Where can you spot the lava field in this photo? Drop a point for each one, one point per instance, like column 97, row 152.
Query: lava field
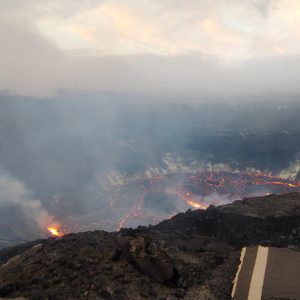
column 148, row 201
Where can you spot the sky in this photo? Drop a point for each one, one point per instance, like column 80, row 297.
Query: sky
column 171, row 48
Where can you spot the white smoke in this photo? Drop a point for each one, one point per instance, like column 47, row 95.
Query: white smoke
column 14, row 193
column 292, row 171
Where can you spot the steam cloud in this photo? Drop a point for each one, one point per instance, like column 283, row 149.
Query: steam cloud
column 14, row 196
column 71, row 153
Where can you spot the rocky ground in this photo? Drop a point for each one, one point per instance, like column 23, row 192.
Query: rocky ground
column 193, row 255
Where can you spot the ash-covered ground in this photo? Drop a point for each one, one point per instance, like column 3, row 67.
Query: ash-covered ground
column 193, row 255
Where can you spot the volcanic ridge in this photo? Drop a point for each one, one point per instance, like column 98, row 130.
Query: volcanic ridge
column 193, row 255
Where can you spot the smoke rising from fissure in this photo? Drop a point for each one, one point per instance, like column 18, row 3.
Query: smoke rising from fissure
column 87, row 159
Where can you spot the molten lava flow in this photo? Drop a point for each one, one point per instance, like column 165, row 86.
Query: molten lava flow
column 195, row 204
column 187, row 199
column 134, row 212
column 286, row 184
column 197, row 189
column 54, row 231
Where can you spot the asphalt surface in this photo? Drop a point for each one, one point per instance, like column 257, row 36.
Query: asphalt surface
column 268, row 273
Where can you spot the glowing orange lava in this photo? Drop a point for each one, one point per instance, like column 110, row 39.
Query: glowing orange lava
column 54, row 231
column 195, row 204
column 187, row 199
column 286, row 184
column 197, row 189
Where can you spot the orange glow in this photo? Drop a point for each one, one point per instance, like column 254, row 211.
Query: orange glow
column 195, row 204
column 187, row 200
column 54, row 231
column 278, row 183
column 191, row 187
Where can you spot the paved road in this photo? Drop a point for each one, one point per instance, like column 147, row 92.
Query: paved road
column 268, row 273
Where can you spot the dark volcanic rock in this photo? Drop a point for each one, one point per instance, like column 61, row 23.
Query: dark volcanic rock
column 237, row 230
column 268, row 206
column 157, row 269
column 194, row 255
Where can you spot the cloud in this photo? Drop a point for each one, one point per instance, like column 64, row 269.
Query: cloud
column 172, row 49
column 227, row 30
